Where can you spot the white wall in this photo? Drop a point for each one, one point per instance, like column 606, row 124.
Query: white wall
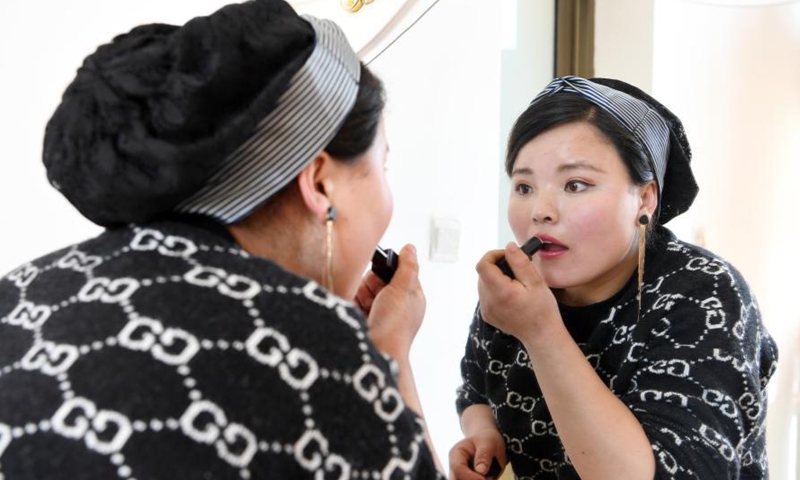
column 443, row 82
column 442, row 121
column 624, row 41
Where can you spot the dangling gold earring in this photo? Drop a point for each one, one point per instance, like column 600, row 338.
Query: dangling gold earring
column 644, row 220
column 329, row 218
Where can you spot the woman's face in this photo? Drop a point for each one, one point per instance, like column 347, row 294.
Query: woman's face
column 569, row 186
column 364, row 203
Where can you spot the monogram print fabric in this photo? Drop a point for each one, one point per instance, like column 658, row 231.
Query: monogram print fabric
column 693, row 370
column 165, row 351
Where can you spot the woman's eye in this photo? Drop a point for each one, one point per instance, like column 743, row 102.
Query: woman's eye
column 575, row 186
column 523, row 189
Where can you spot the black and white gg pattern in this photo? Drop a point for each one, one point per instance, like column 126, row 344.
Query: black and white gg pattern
column 693, row 370
column 165, row 351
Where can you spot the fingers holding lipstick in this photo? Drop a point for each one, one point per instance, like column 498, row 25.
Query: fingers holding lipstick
column 517, row 307
column 397, row 311
column 370, row 286
column 521, row 265
column 487, row 267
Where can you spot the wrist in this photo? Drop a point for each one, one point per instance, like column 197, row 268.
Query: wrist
column 403, row 363
column 478, row 418
column 398, row 353
column 549, row 334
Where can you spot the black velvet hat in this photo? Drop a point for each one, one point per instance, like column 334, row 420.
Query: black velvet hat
column 679, row 185
column 154, row 116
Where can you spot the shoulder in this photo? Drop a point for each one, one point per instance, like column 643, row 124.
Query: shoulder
column 219, row 268
column 267, row 354
column 694, row 298
column 676, row 268
column 181, row 272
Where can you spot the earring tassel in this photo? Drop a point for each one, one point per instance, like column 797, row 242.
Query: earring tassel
column 330, row 217
column 644, row 220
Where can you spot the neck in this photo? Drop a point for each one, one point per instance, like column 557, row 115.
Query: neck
column 600, row 288
column 285, row 239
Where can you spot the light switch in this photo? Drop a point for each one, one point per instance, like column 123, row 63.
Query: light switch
column 445, row 237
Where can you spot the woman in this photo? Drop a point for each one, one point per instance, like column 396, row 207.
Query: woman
column 210, row 331
column 619, row 351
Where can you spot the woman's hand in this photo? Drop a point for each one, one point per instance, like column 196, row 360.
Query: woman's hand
column 585, row 411
column 522, row 307
column 395, row 310
column 394, row 314
column 482, row 446
column 371, row 284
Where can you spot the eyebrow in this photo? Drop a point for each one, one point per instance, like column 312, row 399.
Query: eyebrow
column 564, row 167
column 579, row 165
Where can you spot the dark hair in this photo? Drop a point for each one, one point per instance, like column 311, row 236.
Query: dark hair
column 360, row 127
column 354, row 137
column 562, row 108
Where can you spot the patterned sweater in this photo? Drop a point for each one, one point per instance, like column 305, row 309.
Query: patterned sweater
column 693, row 370
column 167, row 352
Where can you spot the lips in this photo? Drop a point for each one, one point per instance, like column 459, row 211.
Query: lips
column 551, row 242
column 552, row 247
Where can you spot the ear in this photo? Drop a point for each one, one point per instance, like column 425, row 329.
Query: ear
column 649, row 199
column 316, row 184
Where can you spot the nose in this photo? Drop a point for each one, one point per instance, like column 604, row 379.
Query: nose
column 542, row 217
column 544, row 210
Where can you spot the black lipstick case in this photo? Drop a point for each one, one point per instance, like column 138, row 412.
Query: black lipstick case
column 384, row 263
column 531, row 246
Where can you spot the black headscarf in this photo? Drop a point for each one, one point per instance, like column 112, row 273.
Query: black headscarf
column 680, row 187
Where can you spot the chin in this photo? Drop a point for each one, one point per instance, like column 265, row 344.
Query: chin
column 560, row 281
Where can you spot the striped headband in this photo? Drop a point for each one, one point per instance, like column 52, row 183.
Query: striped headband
column 308, row 116
column 638, row 117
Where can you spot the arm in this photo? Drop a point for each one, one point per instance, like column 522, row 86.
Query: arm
column 585, row 411
column 395, row 312
column 699, row 386
column 482, row 438
column 408, row 390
